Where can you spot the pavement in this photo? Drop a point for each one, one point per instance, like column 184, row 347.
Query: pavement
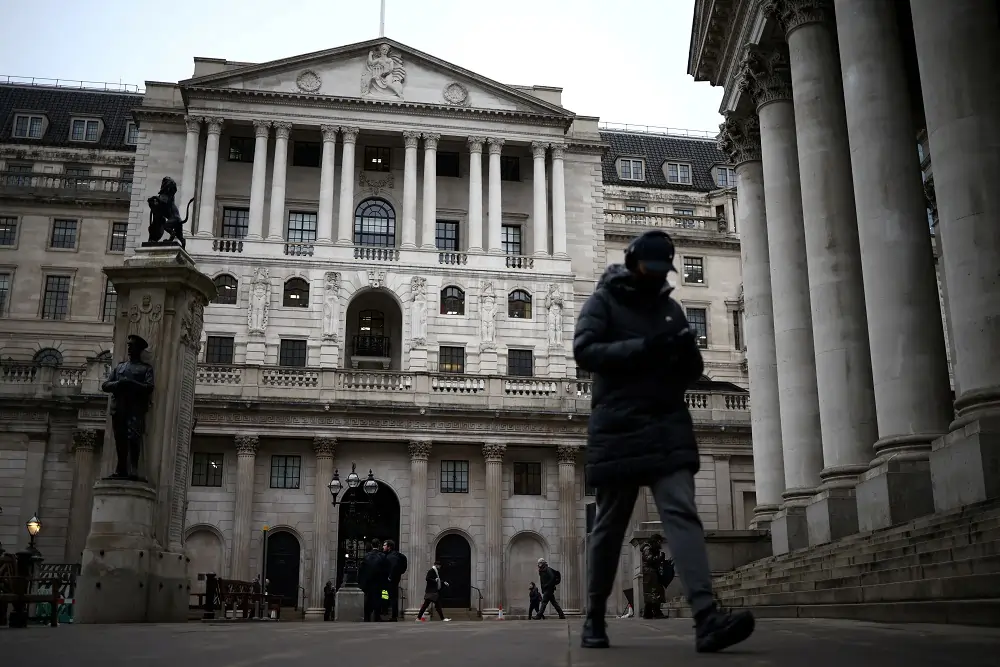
column 635, row 643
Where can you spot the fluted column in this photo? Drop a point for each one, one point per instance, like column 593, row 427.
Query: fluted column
column 495, row 214
column 190, row 170
column 325, row 217
column 558, row 202
column 246, row 454
column 410, row 141
column 476, row 194
column 325, row 447
column 539, row 227
column 262, row 129
column 81, row 498
column 740, row 140
column 420, row 451
column 209, row 177
column 345, row 219
column 569, row 544
column 276, row 222
column 493, row 582
column 429, row 218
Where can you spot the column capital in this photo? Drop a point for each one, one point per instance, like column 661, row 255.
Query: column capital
column 739, row 138
column 566, row 454
column 538, row 150
column 476, row 144
column 261, row 128
column 420, row 450
column 214, row 125
column 792, row 14
column 246, row 444
column 325, row 446
column 411, row 139
column 494, row 451
column 765, row 74
column 431, row 140
column 84, row 440
column 496, row 145
column 350, row 134
column 281, row 129
column 558, row 151
column 329, row 132
column 193, row 123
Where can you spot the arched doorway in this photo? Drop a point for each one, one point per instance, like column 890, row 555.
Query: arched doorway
column 374, row 331
column 283, row 560
column 204, row 549
column 522, row 568
column 455, row 555
column 371, row 517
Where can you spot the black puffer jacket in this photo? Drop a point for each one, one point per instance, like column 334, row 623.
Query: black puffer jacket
column 640, row 428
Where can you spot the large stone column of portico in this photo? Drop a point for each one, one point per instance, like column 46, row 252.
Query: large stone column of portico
column 82, row 495
column 276, row 218
column 476, row 193
column 345, row 219
column 558, row 202
column 836, row 289
column 255, row 230
column 420, row 451
column 209, row 177
column 325, row 447
column 494, row 452
column 958, row 50
column 569, row 546
column 495, row 214
column 189, row 172
column 739, row 139
column 326, row 186
column 909, row 366
column 246, row 455
column 767, row 78
column 410, row 141
column 428, row 225
column 539, row 228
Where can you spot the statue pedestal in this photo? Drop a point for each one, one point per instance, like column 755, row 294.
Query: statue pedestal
column 256, row 350
column 557, row 361
column 418, row 358
column 488, row 362
column 350, row 605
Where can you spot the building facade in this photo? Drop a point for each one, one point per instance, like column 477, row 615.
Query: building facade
column 399, row 247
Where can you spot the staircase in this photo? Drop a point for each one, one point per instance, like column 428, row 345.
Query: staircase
column 942, row 568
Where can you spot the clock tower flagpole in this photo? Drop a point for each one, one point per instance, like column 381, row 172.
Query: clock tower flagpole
column 381, row 21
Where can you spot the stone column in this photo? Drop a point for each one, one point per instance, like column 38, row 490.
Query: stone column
column 325, row 216
column 82, row 495
column 495, row 213
column 569, row 543
column 958, row 50
column 476, row 194
column 539, row 228
column 428, row 225
column 420, row 452
column 276, row 220
column 206, row 209
column 558, row 202
column 739, row 139
column 909, row 365
column 493, row 581
column 262, row 129
column 325, row 447
column 410, row 140
column 766, row 77
column 345, row 219
column 246, row 455
column 190, row 170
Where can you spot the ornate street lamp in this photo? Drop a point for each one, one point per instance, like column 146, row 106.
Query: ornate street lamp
column 34, row 527
column 370, row 487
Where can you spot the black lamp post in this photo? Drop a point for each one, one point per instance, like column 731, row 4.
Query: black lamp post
column 34, row 527
column 26, row 560
column 370, row 488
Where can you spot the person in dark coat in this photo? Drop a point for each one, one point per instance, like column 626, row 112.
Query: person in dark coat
column 636, row 341
column 548, row 579
column 534, row 600
column 397, row 568
column 373, row 577
column 329, row 599
column 653, row 594
column 432, row 591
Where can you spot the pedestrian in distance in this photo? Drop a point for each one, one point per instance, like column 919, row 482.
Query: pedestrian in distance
column 548, row 579
column 329, row 600
column 397, row 568
column 534, row 600
column 373, row 575
column 432, row 591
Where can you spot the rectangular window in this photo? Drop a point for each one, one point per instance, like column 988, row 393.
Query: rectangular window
column 285, row 472
column 520, row 363
column 235, row 223
column 219, row 349
column 78, row 172
column 720, row 212
column 301, row 227
column 510, row 239
column 510, row 168
column 55, row 301
column 119, row 234
column 110, row 302
column 738, row 329
column 206, row 469
column 446, row 235
column 725, row 177
column 630, row 170
column 698, row 322
column 377, row 158
column 63, row 234
column 454, row 476
column 292, row 353
column 241, row 149
column 28, row 127
column 447, row 164
column 451, row 359
column 527, row 479
column 307, row 154
column 678, row 173
column 132, row 134
column 694, row 271
column 588, row 488
column 85, row 130
column 8, row 230
column 635, row 208
column 5, row 280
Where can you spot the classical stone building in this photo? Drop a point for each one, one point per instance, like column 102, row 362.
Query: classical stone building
column 399, row 246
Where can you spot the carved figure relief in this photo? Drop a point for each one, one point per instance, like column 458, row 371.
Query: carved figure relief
column 554, row 308
column 418, row 311
column 456, row 93
column 376, row 186
column 488, row 316
column 144, row 318
column 376, row 279
column 331, row 305
column 308, row 81
column 384, row 73
column 260, row 300
column 192, row 323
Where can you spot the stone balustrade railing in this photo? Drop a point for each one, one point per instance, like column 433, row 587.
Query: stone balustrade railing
column 61, row 185
column 665, row 220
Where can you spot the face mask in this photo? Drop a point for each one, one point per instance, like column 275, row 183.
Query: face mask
column 650, row 283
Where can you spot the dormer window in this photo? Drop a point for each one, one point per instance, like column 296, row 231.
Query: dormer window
column 725, row 177
column 131, row 134
column 85, row 129
column 631, row 169
column 29, row 127
column 678, row 173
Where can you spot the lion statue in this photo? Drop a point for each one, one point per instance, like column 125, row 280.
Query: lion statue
column 164, row 216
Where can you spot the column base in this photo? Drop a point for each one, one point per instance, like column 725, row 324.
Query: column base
column 832, row 514
column 474, row 251
column 789, row 530
column 350, row 605
column 275, row 237
column 428, row 246
column 204, row 234
column 763, row 515
column 315, row 614
column 965, row 464
column 253, row 237
column 344, row 242
column 408, row 246
column 894, row 492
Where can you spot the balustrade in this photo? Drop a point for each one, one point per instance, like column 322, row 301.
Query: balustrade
column 665, row 220
column 60, row 185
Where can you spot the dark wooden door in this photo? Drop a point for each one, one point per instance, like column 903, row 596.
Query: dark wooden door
column 455, row 555
column 283, row 567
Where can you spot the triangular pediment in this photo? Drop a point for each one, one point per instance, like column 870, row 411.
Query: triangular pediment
column 380, row 70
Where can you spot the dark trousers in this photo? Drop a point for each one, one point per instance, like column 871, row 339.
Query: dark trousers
column 328, row 610
column 394, row 600
column 532, row 608
column 674, row 496
column 373, row 605
column 428, row 603
column 547, row 597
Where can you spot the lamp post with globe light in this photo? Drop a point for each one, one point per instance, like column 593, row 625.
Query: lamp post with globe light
column 352, row 500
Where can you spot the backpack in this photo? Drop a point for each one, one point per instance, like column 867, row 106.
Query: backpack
column 556, row 577
column 400, row 565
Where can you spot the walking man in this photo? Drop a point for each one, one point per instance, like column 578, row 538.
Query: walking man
column 432, row 591
column 636, row 342
column 373, row 576
column 548, row 579
column 397, row 568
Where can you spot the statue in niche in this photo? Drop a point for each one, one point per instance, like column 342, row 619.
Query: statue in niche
column 331, row 305
column 260, row 300
column 383, row 72
column 554, row 308
column 418, row 311
column 488, row 315
column 164, row 216
column 131, row 386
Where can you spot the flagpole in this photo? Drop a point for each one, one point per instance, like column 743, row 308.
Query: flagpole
column 381, row 21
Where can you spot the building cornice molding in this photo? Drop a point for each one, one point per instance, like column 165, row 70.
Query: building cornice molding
column 97, row 157
column 726, row 243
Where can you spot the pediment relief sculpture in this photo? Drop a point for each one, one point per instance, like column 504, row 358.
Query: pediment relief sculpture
column 384, row 73
column 457, row 94
column 308, row 81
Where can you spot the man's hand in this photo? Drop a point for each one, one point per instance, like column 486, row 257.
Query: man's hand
column 660, row 345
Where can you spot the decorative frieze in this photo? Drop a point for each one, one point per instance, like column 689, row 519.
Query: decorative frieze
column 420, row 450
column 325, row 446
column 765, row 74
column 247, row 444
column 739, row 138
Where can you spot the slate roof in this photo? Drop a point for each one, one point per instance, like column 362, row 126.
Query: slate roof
column 59, row 105
column 701, row 154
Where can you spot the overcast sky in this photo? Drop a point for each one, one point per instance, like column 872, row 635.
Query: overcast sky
column 622, row 60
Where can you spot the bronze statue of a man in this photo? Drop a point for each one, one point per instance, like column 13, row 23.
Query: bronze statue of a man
column 130, row 385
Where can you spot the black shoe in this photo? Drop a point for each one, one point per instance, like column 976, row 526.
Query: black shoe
column 595, row 632
column 717, row 629
column 539, row 617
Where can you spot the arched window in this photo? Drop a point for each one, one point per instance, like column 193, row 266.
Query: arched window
column 519, row 304
column 228, row 289
column 48, row 356
column 452, row 301
column 375, row 224
column 371, row 340
column 296, row 293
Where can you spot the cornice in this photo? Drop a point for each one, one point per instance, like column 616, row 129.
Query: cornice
column 679, row 236
column 168, row 114
column 96, row 157
column 63, row 199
